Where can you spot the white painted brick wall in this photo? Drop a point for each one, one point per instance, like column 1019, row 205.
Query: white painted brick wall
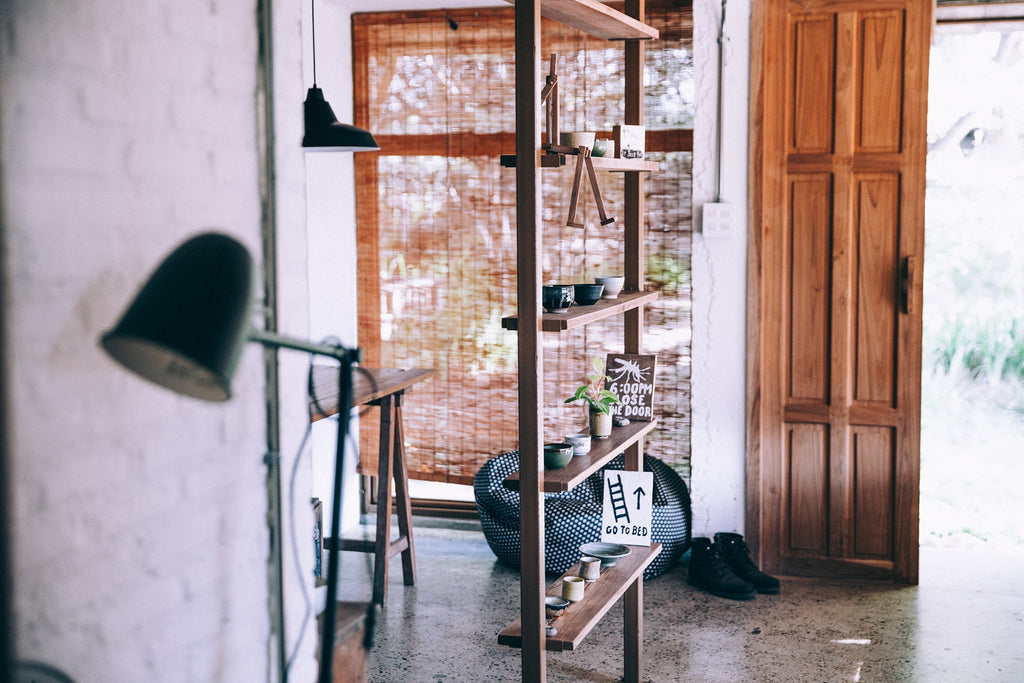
column 140, row 543
column 718, row 379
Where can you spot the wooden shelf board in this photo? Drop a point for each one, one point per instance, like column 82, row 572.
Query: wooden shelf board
column 582, row 466
column 596, row 19
column 615, row 165
column 582, row 315
column 580, row 617
column 612, row 164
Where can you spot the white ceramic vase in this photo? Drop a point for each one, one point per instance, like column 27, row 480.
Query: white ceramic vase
column 600, row 424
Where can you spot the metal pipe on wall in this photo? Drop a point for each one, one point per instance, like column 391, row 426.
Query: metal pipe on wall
column 277, row 647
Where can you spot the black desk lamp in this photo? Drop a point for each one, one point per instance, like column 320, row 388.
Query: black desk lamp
column 185, row 331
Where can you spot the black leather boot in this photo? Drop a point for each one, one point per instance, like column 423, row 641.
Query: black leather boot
column 734, row 549
column 709, row 571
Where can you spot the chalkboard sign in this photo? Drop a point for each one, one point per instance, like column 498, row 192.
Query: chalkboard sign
column 631, row 378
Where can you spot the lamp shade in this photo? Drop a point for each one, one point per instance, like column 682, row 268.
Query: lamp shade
column 324, row 132
column 186, row 327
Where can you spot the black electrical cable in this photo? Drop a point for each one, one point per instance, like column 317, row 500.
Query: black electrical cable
column 296, row 558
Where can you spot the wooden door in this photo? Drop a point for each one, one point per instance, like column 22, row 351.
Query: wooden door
column 837, row 243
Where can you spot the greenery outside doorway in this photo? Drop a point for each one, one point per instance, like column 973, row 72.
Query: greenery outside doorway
column 972, row 431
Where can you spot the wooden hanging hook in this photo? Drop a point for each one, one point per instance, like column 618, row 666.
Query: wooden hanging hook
column 549, row 99
column 577, row 180
column 583, row 159
column 605, row 219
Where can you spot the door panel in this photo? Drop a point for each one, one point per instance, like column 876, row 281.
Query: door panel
column 873, row 493
column 881, row 68
column 809, row 288
column 840, row 152
column 812, row 103
column 876, row 287
column 806, row 487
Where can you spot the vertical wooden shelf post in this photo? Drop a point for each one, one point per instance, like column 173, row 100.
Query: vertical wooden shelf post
column 530, row 350
column 633, row 215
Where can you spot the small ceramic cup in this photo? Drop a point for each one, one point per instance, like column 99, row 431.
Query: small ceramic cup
column 590, row 568
column 572, row 588
column 612, row 285
column 609, row 148
column 577, row 138
column 554, row 606
column 580, row 443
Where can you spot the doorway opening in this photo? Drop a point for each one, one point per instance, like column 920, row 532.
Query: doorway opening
column 972, row 425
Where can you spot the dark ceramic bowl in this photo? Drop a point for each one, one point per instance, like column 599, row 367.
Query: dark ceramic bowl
column 587, row 295
column 557, row 455
column 556, row 298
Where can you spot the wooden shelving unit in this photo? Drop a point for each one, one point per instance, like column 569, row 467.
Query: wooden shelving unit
column 577, row 620
column 625, row 580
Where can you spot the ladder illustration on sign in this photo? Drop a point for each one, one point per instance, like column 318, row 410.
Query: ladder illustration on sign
column 618, row 498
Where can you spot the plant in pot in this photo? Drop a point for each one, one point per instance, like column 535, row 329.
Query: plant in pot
column 599, row 400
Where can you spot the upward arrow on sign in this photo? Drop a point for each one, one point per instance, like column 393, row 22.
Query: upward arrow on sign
column 639, row 493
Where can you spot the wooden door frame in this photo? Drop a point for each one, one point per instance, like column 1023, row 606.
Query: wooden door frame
column 760, row 406
column 754, row 341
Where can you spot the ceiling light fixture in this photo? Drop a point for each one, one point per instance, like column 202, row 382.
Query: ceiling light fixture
column 323, row 132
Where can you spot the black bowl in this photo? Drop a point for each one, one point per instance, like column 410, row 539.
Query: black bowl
column 587, row 294
column 556, row 298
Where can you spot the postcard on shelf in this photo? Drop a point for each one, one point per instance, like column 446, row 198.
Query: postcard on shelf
column 629, row 141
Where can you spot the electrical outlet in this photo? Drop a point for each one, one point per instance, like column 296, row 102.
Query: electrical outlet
column 716, row 219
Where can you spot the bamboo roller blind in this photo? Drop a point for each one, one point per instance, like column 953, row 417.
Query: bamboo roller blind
column 436, row 226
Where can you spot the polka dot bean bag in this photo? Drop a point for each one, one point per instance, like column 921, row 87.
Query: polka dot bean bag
column 573, row 518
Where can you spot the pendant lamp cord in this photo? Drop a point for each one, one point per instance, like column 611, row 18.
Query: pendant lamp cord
column 312, row 16
column 718, row 109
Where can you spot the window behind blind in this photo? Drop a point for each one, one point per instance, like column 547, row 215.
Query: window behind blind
column 436, row 226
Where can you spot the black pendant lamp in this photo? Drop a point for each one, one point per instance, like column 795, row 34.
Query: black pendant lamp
column 324, row 133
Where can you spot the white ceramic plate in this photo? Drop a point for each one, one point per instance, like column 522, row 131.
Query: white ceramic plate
column 608, row 553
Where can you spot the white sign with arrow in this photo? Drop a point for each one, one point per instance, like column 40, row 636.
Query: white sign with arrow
column 626, row 517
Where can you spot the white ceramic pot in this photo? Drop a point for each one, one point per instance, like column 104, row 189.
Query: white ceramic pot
column 612, row 285
column 600, row 424
column 580, row 443
column 577, row 138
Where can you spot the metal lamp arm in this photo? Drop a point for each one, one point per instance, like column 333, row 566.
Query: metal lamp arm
column 335, row 351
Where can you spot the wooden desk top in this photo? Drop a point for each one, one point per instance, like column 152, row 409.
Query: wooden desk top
column 368, row 385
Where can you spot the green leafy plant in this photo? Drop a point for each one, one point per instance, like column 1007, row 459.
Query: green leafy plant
column 594, row 393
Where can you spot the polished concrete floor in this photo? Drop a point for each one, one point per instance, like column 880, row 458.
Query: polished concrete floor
column 964, row 622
